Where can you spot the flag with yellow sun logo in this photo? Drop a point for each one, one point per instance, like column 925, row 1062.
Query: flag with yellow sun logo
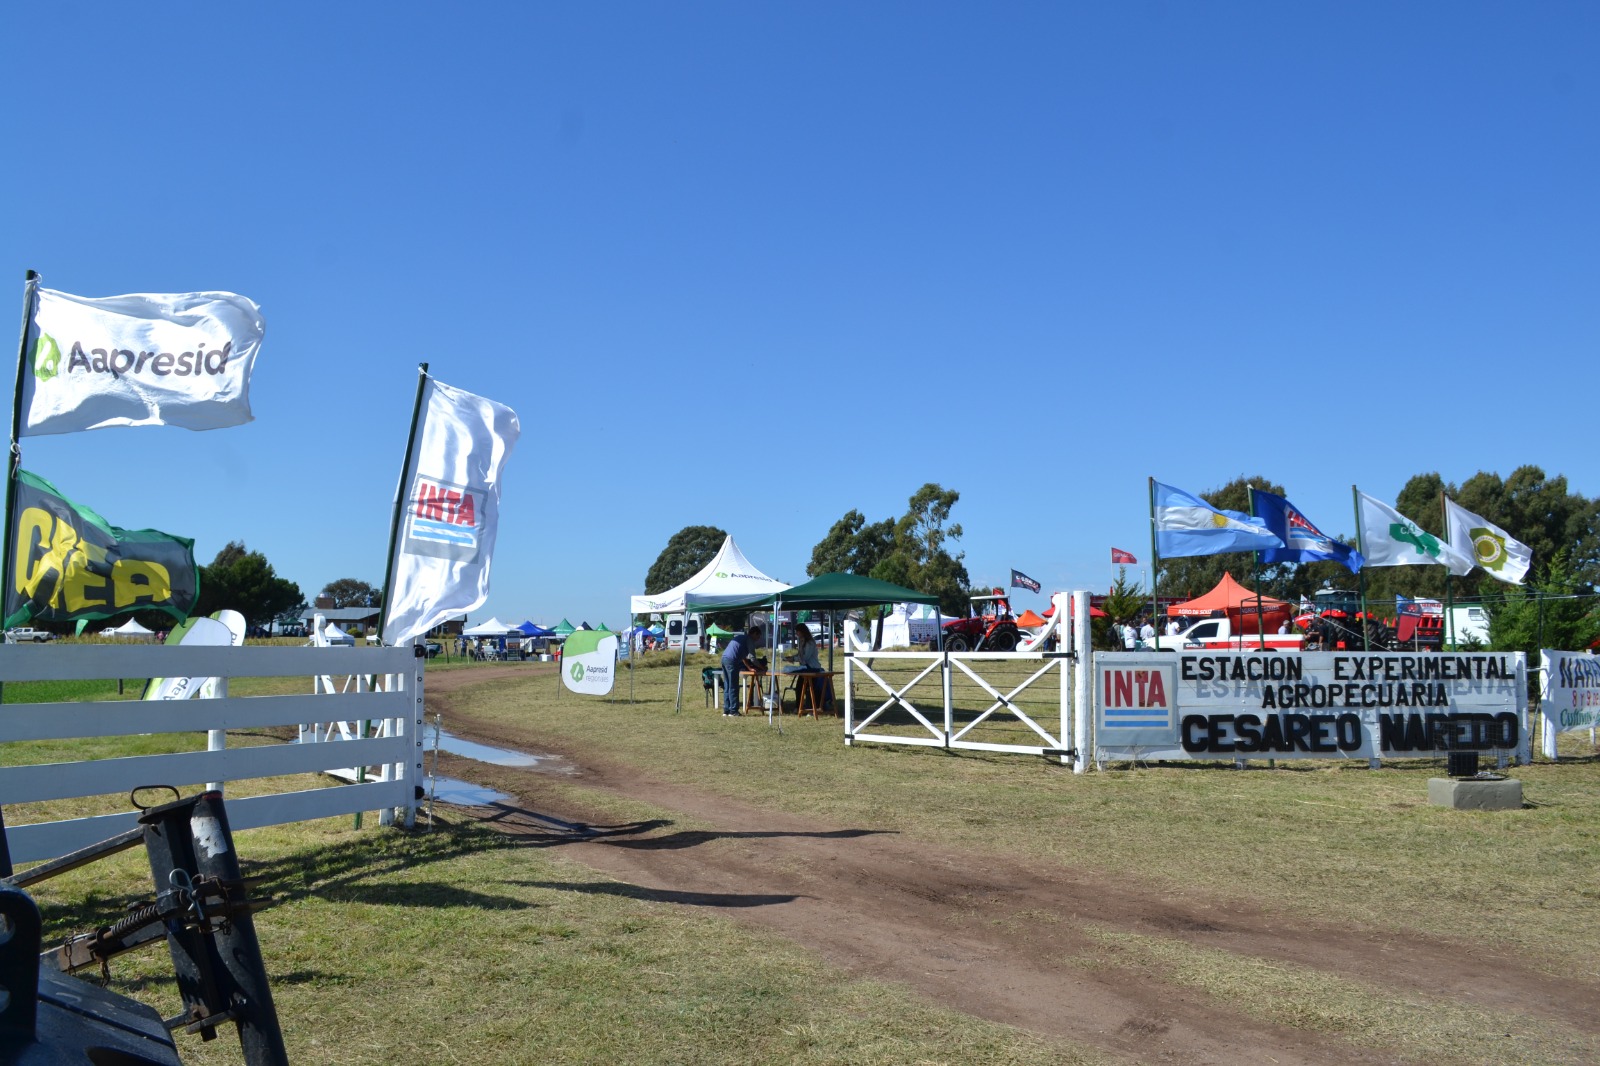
column 1490, row 547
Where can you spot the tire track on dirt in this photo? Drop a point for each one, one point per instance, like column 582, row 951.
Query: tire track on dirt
column 986, row 935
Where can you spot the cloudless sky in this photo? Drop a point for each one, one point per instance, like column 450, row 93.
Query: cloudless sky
column 754, row 265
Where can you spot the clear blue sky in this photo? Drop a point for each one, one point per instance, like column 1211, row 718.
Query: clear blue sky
column 752, row 265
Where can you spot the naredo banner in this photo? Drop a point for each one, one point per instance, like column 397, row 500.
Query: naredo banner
column 149, row 359
column 1569, row 695
column 72, row 565
column 1316, row 705
column 589, row 662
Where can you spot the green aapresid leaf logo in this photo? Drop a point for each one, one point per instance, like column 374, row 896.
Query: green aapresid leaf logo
column 1425, row 543
column 721, row 574
column 577, row 671
column 46, row 358
column 1490, row 548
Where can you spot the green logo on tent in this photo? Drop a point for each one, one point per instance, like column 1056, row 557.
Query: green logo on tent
column 1426, row 543
column 46, row 358
column 1490, row 549
column 577, row 671
column 721, row 574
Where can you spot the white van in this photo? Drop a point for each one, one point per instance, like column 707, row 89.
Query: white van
column 676, row 631
column 1470, row 623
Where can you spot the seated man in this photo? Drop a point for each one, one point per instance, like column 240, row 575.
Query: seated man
column 738, row 656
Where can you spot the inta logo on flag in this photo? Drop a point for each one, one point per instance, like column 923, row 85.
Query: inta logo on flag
column 442, row 520
column 1120, row 557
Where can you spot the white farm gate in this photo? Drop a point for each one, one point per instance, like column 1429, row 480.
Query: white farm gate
column 388, row 700
column 979, row 701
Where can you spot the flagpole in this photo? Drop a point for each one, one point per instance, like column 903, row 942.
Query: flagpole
column 1361, row 577
column 401, row 496
column 1449, row 597
column 1261, row 625
column 1155, row 557
column 30, row 297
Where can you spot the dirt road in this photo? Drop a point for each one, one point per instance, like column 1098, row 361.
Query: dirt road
column 997, row 940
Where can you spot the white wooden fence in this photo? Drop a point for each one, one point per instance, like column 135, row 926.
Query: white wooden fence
column 393, row 705
column 1048, row 720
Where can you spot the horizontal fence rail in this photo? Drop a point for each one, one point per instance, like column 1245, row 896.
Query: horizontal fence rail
column 389, row 696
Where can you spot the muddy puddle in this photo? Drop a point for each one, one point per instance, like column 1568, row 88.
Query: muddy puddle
column 465, row 793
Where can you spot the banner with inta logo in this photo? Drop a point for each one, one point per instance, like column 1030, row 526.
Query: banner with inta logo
column 589, row 662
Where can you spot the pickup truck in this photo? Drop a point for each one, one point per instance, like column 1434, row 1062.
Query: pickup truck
column 1217, row 634
column 25, row 635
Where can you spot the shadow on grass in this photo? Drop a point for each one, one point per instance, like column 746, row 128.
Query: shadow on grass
column 662, row 895
column 324, row 871
column 532, row 829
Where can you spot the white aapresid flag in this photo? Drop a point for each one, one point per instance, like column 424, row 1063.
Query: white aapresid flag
column 449, row 508
column 1389, row 538
column 1486, row 543
column 148, row 359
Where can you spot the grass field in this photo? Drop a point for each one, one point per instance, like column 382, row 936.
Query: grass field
column 458, row 946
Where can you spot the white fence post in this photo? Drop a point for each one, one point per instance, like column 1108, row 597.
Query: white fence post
column 1083, row 688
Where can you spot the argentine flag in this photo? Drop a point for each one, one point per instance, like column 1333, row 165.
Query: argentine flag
column 1188, row 525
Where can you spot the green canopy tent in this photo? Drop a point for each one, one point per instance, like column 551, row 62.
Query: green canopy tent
column 826, row 592
column 565, row 629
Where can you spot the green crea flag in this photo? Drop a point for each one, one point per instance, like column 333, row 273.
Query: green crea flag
column 69, row 564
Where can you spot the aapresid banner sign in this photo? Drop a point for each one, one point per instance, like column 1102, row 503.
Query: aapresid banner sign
column 1569, row 695
column 589, row 662
column 1315, row 705
column 69, row 564
column 147, row 359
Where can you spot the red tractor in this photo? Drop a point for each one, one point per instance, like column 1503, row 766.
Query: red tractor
column 991, row 627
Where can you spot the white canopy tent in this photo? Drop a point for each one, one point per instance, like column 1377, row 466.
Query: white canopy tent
column 130, row 628
column 492, row 628
column 728, row 575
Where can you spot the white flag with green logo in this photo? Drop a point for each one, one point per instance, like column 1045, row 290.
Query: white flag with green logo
column 1490, row 546
column 149, row 359
column 1389, row 538
column 589, row 662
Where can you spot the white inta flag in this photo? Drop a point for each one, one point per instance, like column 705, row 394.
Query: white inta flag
column 450, row 508
column 1486, row 543
column 1389, row 538
column 148, row 359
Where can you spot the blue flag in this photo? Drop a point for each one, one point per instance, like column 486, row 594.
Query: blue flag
column 1303, row 542
column 1188, row 525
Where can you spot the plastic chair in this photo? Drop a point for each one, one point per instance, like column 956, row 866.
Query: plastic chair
column 708, row 678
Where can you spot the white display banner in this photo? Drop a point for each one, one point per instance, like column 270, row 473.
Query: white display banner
column 1569, row 694
column 1315, row 705
column 146, row 359
column 450, row 510
column 589, row 662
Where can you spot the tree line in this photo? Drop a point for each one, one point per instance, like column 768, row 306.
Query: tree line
column 1558, row 603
